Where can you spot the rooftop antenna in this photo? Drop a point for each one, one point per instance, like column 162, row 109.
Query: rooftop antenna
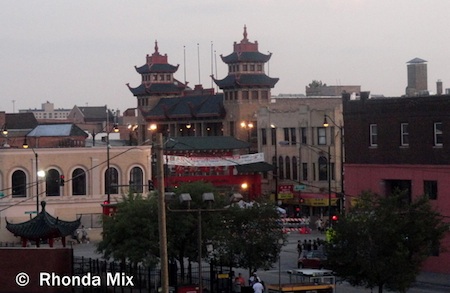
column 215, row 61
column 184, row 60
column 198, row 58
column 212, row 63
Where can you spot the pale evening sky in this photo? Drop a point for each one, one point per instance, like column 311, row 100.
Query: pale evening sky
column 84, row 52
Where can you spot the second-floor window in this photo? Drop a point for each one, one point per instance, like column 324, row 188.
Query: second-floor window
column 373, row 135
column 438, row 134
column 404, row 134
column 321, row 136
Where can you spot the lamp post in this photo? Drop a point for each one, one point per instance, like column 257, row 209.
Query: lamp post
column 341, row 142
column 274, row 142
column 39, row 174
column 108, row 146
column 249, row 126
column 206, row 197
column 5, row 134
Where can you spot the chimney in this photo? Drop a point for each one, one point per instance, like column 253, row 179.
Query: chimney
column 439, row 87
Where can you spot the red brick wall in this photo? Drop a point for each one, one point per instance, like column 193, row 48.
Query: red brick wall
column 33, row 261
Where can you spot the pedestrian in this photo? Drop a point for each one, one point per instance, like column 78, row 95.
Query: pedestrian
column 258, row 287
column 299, row 248
column 252, row 279
column 238, row 283
column 84, row 235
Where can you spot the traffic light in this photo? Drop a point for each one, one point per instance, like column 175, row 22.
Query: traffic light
column 61, row 180
column 150, row 185
column 334, row 218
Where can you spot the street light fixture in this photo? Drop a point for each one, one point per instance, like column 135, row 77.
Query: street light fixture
column 341, row 142
column 108, row 146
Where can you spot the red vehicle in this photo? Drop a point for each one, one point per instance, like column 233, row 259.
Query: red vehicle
column 314, row 259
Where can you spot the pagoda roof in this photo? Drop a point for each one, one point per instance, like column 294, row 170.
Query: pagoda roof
column 157, row 88
column 244, row 80
column 203, row 143
column 156, row 68
column 236, row 57
column 43, row 226
column 188, row 107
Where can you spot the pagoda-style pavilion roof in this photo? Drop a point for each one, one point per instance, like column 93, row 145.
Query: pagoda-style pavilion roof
column 43, row 226
column 157, row 88
column 156, row 68
column 245, row 80
column 188, row 107
column 236, row 57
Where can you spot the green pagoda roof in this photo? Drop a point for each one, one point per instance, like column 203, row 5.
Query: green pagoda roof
column 43, row 226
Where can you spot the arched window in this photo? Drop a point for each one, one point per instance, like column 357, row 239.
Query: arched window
column 52, row 183
column 112, row 181
column 281, row 167
column 295, row 169
column 19, row 184
column 136, row 180
column 323, row 169
column 78, row 182
column 275, row 171
column 288, row 167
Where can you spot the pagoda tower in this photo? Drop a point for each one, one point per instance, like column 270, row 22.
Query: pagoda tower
column 246, row 88
column 157, row 81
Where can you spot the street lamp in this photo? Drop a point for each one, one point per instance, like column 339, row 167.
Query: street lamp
column 206, row 197
column 39, row 173
column 274, row 142
column 108, row 146
column 341, row 142
column 249, row 126
column 5, row 134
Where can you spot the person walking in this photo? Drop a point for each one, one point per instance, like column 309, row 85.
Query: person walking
column 238, row 283
column 258, row 287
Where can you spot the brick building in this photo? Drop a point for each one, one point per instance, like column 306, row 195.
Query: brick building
column 400, row 143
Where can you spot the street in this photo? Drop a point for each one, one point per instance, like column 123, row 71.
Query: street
column 289, row 261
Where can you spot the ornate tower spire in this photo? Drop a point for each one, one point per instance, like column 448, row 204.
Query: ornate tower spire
column 245, row 34
column 156, row 46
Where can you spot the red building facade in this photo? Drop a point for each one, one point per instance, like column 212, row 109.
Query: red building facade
column 400, row 143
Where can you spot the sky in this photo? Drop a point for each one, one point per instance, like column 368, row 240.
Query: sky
column 84, row 52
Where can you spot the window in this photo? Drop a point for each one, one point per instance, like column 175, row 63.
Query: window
column 304, row 134
column 304, row 171
column 331, row 135
column 244, row 67
column 52, row 187
column 111, row 181
column 295, row 169
column 136, row 180
column 245, row 95
column 293, row 136
column 263, row 136
column 78, row 182
column 274, row 163
column 254, row 95
column 280, row 167
column 438, row 134
column 273, row 135
column 288, row 167
column 232, row 130
column 321, row 136
column 404, row 134
column 19, row 184
column 373, row 135
column 323, row 169
column 430, row 189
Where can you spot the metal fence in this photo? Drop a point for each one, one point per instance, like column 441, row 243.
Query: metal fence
column 113, row 277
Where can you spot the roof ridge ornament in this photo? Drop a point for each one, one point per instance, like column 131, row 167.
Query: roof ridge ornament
column 156, row 46
column 245, row 33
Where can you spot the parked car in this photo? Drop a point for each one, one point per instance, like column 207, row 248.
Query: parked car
column 314, row 259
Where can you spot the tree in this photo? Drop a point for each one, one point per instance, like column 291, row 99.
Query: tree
column 383, row 241
column 253, row 236
column 131, row 234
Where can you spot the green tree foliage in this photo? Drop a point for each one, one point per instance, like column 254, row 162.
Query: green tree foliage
column 244, row 237
column 383, row 241
column 131, row 234
column 253, row 236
